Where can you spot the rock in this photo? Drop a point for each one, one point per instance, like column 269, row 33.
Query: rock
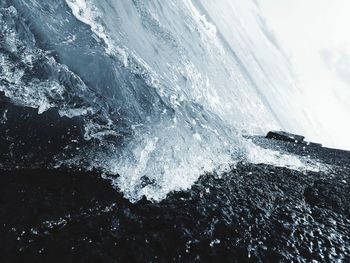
column 270, row 214
column 28, row 138
column 285, row 136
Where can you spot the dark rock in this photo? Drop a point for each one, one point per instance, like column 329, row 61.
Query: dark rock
column 28, row 138
column 285, row 136
column 254, row 213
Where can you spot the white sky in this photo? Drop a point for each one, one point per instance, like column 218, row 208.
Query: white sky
column 316, row 37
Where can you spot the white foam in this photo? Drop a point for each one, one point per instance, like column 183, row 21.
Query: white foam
column 258, row 155
column 173, row 156
column 85, row 12
column 205, row 87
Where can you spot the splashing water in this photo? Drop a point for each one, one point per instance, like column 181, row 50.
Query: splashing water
column 165, row 88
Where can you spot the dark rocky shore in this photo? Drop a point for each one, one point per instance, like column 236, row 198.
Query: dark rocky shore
column 254, row 213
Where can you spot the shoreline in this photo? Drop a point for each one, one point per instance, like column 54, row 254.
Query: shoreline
column 252, row 213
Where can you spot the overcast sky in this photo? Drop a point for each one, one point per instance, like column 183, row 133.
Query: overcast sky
column 316, row 37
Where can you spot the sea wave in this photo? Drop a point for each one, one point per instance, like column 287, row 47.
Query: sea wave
column 163, row 94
